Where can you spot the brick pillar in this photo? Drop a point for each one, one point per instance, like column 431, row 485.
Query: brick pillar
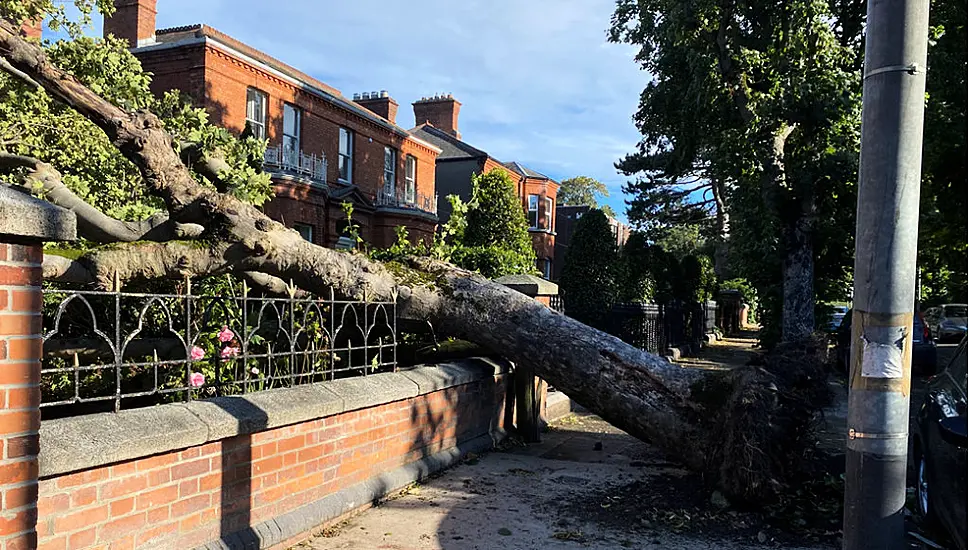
column 25, row 223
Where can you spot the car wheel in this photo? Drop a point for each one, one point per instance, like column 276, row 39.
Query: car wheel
column 922, row 490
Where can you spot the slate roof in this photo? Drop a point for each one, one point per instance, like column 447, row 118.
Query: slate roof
column 525, row 171
column 451, row 147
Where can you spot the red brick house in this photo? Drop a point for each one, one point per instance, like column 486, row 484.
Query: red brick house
column 324, row 149
column 437, row 123
column 566, row 217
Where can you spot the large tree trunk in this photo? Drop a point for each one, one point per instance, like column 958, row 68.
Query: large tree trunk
column 797, row 320
column 731, row 426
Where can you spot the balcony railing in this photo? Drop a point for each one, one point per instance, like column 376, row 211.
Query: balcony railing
column 278, row 159
column 410, row 201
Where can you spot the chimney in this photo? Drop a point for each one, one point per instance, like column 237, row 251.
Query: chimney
column 32, row 29
column 441, row 111
column 378, row 103
column 133, row 20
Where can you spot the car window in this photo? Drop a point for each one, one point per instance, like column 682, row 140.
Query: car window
column 958, row 367
column 956, row 311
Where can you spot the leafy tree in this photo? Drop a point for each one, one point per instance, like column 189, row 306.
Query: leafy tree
column 590, row 274
column 35, row 125
column 583, row 191
column 492, row 235
column 942, row 225
column 762, row 99
column 635, row 270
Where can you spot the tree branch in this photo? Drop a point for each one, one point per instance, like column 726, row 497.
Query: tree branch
column 92, row 224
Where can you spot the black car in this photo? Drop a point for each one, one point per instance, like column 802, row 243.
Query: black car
column 939, row 451
column 924, row 353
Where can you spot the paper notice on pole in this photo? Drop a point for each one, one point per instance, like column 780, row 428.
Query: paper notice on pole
column 881, row 360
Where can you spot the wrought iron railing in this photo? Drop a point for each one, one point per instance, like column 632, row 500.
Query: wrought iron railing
column 296, row 162
column 113, row 350
column 401, row 199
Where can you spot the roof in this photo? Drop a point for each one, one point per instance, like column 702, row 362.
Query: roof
column 451, row 147
column 525, row 171
column 199, row 33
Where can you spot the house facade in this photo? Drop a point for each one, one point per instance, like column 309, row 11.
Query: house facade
column 437, row 123
column 566, row 218
column 323, row 148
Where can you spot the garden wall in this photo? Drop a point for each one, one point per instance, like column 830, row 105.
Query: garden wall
column 262, row 470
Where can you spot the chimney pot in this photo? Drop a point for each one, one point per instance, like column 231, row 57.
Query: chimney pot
column 133, row 20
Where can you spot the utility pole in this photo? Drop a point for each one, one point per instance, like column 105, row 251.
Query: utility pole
column 886, row 239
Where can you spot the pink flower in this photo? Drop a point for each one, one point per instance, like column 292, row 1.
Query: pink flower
column 197, row 353
column 229, row 352
column 196, row 379
column 226, row 335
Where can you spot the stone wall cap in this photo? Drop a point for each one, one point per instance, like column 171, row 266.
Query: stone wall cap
column 80, row 442
column 529, row 284
column 22, row 215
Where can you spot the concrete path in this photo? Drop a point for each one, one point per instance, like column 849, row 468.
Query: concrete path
column 586, row 486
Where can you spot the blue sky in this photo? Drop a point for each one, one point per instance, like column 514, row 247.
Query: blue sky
column 537, row 81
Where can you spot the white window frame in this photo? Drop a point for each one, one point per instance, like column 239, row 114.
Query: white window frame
column 256, row 111
column 345, row 157
column 390, row 171
column 305, row 230
column 549, row 210
column 291, row 140
column 532, row 211
column 410, row 179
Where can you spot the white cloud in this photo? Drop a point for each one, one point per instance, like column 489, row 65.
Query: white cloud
column 537, row 80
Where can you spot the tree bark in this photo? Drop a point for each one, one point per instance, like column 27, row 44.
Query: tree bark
column 797, row 319
column 717, row 423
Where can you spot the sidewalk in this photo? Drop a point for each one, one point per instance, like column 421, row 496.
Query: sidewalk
column 587, row 485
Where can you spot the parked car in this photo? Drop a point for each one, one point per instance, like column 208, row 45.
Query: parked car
column 939, row 451
column 948, row 321
column 835, row 318
column 924, row 353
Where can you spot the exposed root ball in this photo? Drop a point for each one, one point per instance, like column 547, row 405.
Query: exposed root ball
column 761, row 421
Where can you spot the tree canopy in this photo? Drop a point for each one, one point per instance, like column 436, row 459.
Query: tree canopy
column 753, row 110
column 584, row 191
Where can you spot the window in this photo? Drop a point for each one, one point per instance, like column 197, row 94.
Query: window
column 346, row 155
column 390, row 172
column 548, row 213
column 410, row 180
column 291, row 123
column 304, row 230
column 533, row 211
column 256, row 112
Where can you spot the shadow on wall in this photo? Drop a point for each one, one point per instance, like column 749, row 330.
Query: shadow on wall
column 366, row 455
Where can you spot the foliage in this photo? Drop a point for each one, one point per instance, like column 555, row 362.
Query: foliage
column 699, row 280
column 488, row 235
column 637, row 282
column 728, row 80
column 583, row 191
column 495, row 240
column 682, row 241
column 590, row 276
column 55, row 13
column 34, row 124
column 352, row 230
column 942, row 224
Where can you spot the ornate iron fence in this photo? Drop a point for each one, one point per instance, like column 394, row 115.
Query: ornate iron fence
column 114, row 350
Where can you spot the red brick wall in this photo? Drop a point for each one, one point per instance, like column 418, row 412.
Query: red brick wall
column 20, row 347
column 191, row 496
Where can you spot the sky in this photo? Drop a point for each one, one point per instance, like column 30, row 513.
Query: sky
column 537, row 81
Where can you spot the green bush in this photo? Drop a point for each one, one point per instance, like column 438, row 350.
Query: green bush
column 590, row 277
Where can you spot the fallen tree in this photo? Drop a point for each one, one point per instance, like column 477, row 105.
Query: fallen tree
column 743, row 429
